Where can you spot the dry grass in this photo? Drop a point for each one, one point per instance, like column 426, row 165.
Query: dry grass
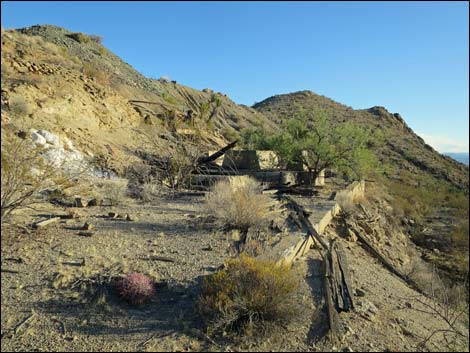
column 112, row 191
column 19, row 106
column 248, row 295
column 150, row 191
column 239, row 203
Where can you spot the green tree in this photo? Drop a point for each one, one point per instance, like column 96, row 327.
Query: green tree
column 309, row 139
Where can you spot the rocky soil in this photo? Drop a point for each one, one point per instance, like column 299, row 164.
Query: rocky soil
column 173, row 241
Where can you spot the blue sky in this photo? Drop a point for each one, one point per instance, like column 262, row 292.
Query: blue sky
column 412, row 58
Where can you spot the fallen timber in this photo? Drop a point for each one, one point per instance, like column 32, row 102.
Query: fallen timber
column 338, row 290
column 387, row 264
column 217, row 154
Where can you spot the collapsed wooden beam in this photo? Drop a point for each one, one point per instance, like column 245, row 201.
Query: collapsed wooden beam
column 387, row 264
column 46, row 222
column 303, row 217
column 217, row 154
column 147, row 102
column 330, row 307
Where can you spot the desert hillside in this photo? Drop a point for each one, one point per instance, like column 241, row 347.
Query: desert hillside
column 133, row 220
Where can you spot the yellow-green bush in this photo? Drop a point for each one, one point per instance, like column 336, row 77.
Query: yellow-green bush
column 80, row 37
column 248, row 294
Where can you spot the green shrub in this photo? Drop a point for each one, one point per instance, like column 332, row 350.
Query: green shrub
column 248, row 294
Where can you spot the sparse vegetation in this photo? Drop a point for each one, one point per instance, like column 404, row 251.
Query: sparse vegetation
column 239, row 204
column 25, row 175
column 19, row 106
column 102, row 77
column 248, row 295
column 80, row 37
column 449, row 305
column 96, row 38
column 113, row 192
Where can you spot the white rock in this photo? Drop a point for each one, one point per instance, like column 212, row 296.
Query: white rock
column 37, row 139
column 55, row 156
column 51, row 138
column 68, row 145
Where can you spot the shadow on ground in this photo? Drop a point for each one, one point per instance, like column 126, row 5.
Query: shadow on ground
column 319, row 326
column 171, row 312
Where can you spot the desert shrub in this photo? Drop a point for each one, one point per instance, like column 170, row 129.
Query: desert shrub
column 239, row 203
column 102, row 50
column 25, row 175
column 248, row 294
column 80, row 37
column 112, row 191
column 136, row 288
column 92, row 71
column 169, row 99
column 173, row 159
column 96, row 38
column 230, row 134
column 150, row 191
column 19, row 106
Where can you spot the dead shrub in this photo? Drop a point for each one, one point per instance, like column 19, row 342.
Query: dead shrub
column 26, row 176
column 112, row 191
column 173, row 159
column 448, row 304
column 248, row 295
column 150, row 191
column 239, row 203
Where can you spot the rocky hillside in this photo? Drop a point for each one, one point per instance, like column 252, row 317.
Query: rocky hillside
column 71, row 85
column 171, row 95
column 428, row 191
column 403, row 149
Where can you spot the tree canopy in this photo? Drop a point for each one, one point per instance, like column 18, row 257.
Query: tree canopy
column 309, row 139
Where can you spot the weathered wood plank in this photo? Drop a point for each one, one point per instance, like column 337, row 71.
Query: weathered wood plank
column 332, row 313
column 346, row 274
column 389, row 266
column 303, row 217
column 42, row 224
column 217, row 154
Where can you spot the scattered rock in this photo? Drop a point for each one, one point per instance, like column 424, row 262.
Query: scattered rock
column 360, row 292
column 87, row 226
column 79, row 202
column 130, row 218
column 113, row 215
column 85, row 234
column 208, row 248
column 351, row 236
column 93, row 202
